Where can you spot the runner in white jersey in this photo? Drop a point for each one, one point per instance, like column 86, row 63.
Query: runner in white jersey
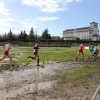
column 7, row 47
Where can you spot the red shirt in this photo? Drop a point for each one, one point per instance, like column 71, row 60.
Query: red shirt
column 81, row 48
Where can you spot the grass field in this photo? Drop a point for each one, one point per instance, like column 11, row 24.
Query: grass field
column 86, row 76
column 46, row 53
column 81, row 76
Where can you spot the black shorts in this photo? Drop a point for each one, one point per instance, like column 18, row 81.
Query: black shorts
column 95, row 52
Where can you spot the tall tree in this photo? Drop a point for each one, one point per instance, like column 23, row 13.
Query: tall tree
column 25, row 35
column 10, row 35
column 21, row 36
column 0, row 36
column 31, row 34
column 36, row 36
column 45, row 34
column 4, row 36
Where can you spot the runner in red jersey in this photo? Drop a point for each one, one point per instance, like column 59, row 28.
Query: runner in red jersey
column 36, row 55
column 80, row 50
column 7, row 47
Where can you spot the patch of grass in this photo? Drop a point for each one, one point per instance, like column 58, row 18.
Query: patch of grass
column 78, row 77
column 46, row 53
column 4, row 67
column 52, row 53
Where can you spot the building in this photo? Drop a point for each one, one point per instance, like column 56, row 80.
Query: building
column 84, row 33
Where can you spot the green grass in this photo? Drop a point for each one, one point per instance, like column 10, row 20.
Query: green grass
column 78, row 77
column 47, row 53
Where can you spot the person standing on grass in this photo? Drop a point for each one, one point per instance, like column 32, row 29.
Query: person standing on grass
column 36, row 55
column 80, row 50
column 95, row 52
column 7, row 48
column 98, row 49
column 91, row 50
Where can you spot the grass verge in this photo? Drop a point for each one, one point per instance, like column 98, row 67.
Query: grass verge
column 80, row 77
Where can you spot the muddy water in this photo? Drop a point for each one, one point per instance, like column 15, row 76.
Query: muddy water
column 13, row 83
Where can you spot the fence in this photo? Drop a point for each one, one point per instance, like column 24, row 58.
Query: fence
column 95, row 93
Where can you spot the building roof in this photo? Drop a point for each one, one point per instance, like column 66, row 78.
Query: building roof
column 95, row 35
column 77, row 29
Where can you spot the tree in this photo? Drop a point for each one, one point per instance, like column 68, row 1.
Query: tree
column 77, row 39
column 31, row 35
column 10, row 35
column 4, row 36
column 45, row 34
column 36, row 36
column 25, row 35
column 0, row 36
column 20, row 35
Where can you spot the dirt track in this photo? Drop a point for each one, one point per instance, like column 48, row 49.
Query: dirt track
column 31, row 82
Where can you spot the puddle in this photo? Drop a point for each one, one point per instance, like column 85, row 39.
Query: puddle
column 8, row 59
column 1, row 80
column 24, row 81
column 13, row 83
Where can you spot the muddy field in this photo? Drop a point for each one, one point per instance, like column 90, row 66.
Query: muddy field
column 31, row 82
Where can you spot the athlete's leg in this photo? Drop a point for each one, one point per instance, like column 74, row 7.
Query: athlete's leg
column 83, row 55
column 38, row 59
column 77, row 55
column 3, row 57
column 35, row 56
column 10, row 59
column 91, row 54
column 95, row 56
column 30, row 57
column 97, row 53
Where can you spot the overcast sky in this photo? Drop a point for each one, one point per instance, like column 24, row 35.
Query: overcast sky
column 56, row 15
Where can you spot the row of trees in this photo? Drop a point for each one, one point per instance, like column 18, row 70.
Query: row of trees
column 23, row 35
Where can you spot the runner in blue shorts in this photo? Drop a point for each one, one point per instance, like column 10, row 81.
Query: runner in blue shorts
column 91, row 50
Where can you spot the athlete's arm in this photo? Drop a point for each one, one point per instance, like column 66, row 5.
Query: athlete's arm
column 9, row 47
column 4, row 46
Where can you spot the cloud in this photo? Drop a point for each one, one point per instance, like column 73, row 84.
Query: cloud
column 78, row 0
column 11, row 19
column 3, row 31
column 42, row 19
column 46, row 18
column 4, row 23
column 4, row 10
column 49, row 5
column 27, row 25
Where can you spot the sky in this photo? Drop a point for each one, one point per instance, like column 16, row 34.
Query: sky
column 54, row 15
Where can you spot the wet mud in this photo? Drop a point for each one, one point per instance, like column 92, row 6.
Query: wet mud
column 31, row 82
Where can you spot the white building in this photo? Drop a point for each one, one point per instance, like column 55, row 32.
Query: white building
column 84, row 33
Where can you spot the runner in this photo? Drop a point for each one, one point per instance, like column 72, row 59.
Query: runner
column 7, row 47
column 95, row 52
column 80, row 51
column 36, row 55
column 91, row 50
column 98, row 50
